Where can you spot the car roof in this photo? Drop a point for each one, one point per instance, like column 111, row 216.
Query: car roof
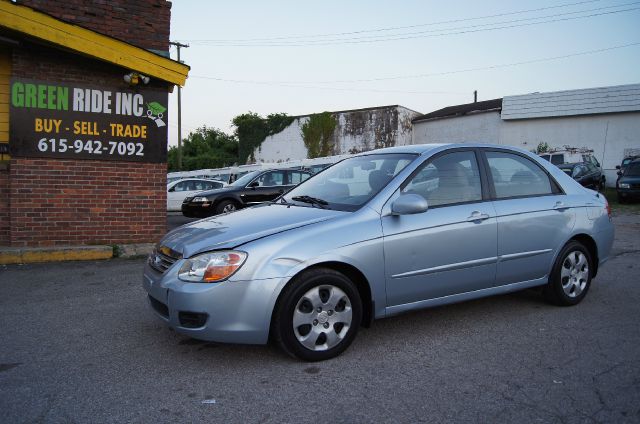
column 421, row 149
column 194, row 179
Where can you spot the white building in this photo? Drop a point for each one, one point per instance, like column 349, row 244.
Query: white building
column 356, row 131
column 605, row 120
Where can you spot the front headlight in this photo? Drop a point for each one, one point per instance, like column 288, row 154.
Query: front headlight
column 212, row 267
column 200, row 200
column 624, row 185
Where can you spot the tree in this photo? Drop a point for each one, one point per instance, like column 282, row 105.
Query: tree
column 252, row 129
column 317, row 134
column 205, row 148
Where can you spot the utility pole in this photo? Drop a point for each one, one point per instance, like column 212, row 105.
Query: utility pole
column 178, row 45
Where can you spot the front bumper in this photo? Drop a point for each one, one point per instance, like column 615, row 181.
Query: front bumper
column 199, row 210
column 629, row 193
column 226, row 312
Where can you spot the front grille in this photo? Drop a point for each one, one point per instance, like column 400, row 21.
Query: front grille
column 161, row 259
column 634, row 186
column 159, row 307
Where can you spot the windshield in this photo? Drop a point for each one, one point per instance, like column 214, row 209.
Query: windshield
column 245, row 179
column 351, row 183
column 632, row 170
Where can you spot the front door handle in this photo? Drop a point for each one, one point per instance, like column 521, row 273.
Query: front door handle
column 477, row 216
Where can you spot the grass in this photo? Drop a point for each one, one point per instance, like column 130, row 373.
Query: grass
column 612, row 198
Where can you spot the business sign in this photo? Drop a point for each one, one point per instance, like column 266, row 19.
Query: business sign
column 77, row 121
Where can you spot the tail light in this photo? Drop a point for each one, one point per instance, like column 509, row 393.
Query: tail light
column 608, row 208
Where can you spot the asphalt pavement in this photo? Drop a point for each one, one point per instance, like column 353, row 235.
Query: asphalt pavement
column 79, row 344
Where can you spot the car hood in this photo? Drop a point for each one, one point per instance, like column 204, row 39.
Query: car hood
column 231, row 230
column 629, row 179
column 218, row 191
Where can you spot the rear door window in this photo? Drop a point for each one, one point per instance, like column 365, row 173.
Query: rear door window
column 296, row 177
column 516, row 176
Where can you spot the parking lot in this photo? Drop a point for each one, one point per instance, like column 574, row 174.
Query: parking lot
column 79, row 344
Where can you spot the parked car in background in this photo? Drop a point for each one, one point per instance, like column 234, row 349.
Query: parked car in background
column 375, row 235
column 178, row 190
column 558, row 157
column 626, row 161
column 628, row 184
column 250, row 189
column 585, row 173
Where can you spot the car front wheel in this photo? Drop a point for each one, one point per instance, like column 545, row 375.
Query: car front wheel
column 226, row 206
column 571, row 275
column 318, row 315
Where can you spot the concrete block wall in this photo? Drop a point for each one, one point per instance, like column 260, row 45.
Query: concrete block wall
column 356, row 131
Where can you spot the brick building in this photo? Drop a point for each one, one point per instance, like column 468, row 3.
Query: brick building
column 83, row 111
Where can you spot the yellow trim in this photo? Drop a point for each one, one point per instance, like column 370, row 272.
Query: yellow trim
column 90, row 43
column 53, row 254
column 5, row 72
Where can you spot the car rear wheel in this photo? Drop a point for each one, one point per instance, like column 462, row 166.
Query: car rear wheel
column 226, row 206
column 570, row 277
column 318, row 315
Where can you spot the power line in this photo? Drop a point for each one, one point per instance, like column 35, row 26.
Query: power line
column 401, row 27
column 297, row 85
column 416, row 76
column 440, row 33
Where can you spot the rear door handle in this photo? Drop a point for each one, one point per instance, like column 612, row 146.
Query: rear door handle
column 477, row 216
column 560, row 206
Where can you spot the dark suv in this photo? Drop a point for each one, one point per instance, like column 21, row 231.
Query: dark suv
column 625, row 162
column 586, row 173
column 628, row 184
column 250, row 189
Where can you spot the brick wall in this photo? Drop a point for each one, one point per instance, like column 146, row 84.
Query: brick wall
column 4, row 205
column 76, row 202
column 143, row 23
column 41, row 63
column 67, row 202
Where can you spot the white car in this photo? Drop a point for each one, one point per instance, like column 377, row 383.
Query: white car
column 177, row 191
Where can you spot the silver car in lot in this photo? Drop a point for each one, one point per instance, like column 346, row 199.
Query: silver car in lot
column 378, row 234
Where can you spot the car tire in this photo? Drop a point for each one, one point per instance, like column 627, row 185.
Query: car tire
column 318, row 315
column 226, row 206
column 570, row 276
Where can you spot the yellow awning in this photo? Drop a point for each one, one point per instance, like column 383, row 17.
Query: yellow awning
column 90, row 43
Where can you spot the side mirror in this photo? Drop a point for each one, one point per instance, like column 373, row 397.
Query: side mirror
column 409, row 204
column 253, row 184
column 172, row 189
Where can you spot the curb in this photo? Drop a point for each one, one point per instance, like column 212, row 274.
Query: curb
column 27, row 255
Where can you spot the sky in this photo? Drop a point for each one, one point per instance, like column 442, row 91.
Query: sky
column 300, row 57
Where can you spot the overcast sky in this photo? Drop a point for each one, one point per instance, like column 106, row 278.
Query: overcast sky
column 299, row 58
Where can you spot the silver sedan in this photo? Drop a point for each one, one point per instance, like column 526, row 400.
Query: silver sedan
column 378, row 234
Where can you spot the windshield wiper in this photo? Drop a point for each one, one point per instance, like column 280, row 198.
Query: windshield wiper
column 312, row 200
